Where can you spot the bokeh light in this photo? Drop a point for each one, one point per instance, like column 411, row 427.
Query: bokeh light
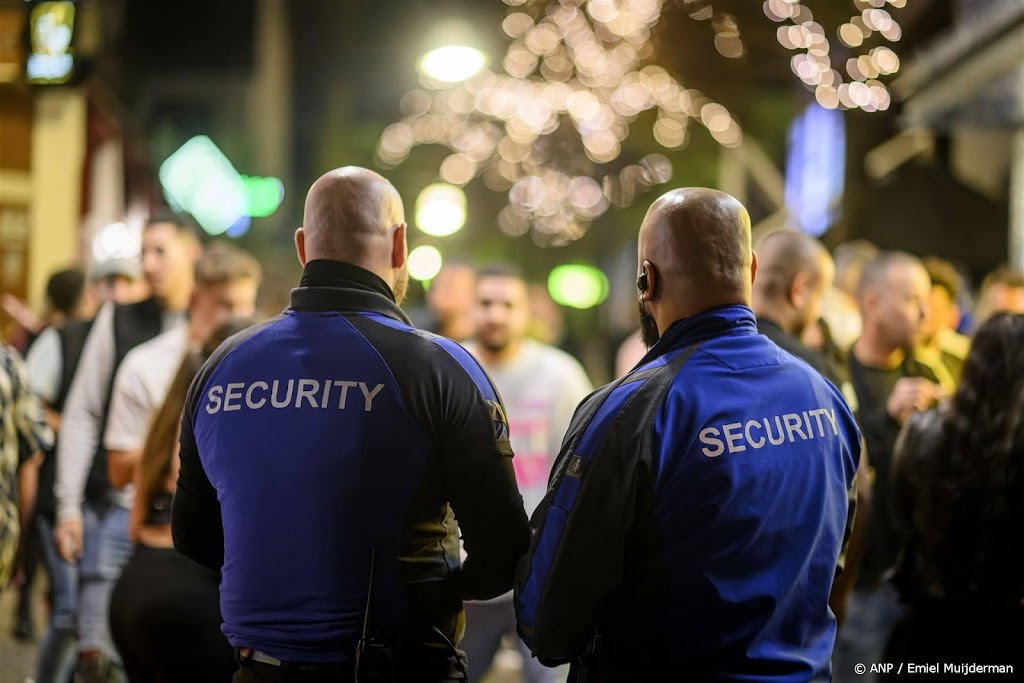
column 577, row 286
column 424, row 262
column 453, row 63
column 440, row 209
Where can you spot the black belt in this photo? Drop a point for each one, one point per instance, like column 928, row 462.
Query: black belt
column 249, row 657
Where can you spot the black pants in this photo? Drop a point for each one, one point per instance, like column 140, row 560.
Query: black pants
column 165, row 620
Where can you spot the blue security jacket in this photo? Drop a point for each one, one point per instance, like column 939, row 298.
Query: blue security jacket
column 696, row 516
column 330, row 430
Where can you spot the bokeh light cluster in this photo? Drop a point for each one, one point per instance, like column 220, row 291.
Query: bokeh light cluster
column 550, row 130
column 859, row 87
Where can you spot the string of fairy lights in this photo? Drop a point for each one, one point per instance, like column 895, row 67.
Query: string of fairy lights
column 860, row 87
column 577, row 74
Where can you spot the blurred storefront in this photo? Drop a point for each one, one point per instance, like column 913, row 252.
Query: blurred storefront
column 61, row 167
column 968, row 86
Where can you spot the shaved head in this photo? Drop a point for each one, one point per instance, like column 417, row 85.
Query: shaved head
column 793, row 272
column 356, row 216
column 783, row 255
column 694, row 246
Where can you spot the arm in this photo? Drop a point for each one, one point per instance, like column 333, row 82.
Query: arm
column 196, row 525
column 82, row 417
column 80, row 435
column 582, row 524
column 480, row 484
column 121, row 466
column 28, row 488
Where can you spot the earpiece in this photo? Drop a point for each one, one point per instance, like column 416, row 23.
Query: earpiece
column 641, row 282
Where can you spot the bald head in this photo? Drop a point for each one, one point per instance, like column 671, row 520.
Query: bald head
column 356, row 216
column 793, row 272
column 350, row 213
column 694, row 249
column 699, row 242
column 784, row 255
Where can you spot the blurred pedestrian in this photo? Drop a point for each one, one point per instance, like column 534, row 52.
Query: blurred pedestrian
column 363, row 441
column 941, row 343
column 698, row 510
column 23, row 431
column 91, row 525
column 541, row 387
column 794, row 272
column 70, row 302
column 450, row 301
column 891, row 384
column 169, row 634
column 226, row 281
column 1002, row 291
column 958, row 481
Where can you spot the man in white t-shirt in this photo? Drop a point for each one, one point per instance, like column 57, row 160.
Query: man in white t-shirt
column 226, row 282
column 540, row 386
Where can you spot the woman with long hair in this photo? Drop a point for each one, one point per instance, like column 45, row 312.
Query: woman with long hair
column 959, row 501
column 165, row 610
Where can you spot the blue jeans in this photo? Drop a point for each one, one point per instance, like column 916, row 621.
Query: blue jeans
column 106, row 549
column 58, row 652
column 870, row 618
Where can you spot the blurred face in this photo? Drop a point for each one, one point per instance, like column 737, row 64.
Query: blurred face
column 213, row 305
column 943, row 313
column 502, row 312
column 1006, row 299
column 902, row 305
column 121, row 290
column 168, row 257
column 452, row 292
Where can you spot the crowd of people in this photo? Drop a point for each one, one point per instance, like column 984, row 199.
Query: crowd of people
column 808, row 461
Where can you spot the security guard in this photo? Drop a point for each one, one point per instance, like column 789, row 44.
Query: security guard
column 325, row 457
column 698, row 509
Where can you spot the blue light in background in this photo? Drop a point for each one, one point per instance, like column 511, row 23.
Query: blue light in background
column 815, row 169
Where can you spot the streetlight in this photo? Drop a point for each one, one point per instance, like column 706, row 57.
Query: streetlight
column 453, row 63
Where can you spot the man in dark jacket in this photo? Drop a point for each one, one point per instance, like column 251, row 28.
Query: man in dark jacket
column 698, row 509
column 326, row 456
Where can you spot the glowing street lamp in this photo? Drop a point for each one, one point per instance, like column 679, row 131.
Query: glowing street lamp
column 453, row 63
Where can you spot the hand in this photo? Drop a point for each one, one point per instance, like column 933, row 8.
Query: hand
column 910, row 395
column 68, row 536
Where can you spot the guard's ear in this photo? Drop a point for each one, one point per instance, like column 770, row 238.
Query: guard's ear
column 399, row 247
column 300, row 246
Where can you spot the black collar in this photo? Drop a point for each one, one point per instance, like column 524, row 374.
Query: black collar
column 336, row 286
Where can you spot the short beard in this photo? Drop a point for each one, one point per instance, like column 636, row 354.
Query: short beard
column 648, row 327
column 492, row 347
column 401, row 287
